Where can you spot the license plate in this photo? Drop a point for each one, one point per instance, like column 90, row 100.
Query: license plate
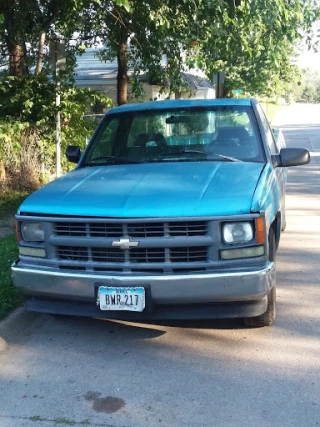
column 121, row 298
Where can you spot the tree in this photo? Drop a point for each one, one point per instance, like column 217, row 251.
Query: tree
column 23, row 30
column 309, row 89
column 238, row 37
column 257, row 45
column 28, row 89
column 153, row 28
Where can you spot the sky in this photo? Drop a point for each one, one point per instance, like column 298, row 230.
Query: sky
column 310, row 58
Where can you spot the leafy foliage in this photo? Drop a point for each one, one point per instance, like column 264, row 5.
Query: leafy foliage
column 10, row 201
column 252, row 41
column 10, row 297
column 27, row 130
column 237, row 37
column 28, row 88
column 256, row 43
column 309, row 89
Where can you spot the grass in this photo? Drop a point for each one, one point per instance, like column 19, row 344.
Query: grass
column 64, row 421
column 10, row 297
column 10, row 200
column 271, row 109
column 35, row 418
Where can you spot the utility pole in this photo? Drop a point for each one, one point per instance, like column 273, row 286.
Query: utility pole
column 218, row 81
column 58, row 126
column 58, row 62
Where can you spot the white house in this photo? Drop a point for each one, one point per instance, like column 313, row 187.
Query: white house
column 102, row 76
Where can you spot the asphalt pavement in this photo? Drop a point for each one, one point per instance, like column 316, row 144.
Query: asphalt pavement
column 79, row 371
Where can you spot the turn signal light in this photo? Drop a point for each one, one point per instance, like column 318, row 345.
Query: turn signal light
column 260, row 231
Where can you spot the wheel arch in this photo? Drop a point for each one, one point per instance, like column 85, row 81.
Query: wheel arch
column 276, row 226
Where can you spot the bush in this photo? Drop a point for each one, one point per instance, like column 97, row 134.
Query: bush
column 20, row 155
column 27, row 127
column 10, row 297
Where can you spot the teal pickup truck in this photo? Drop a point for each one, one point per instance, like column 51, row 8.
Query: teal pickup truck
column 174, row 211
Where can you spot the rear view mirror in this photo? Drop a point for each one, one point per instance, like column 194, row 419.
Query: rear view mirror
column 293, row 157
column 73, row 153
column 178, row 119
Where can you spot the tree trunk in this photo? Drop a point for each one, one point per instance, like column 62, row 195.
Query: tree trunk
column 15, row 41
column 40, row 52
column 16, row 60
column 122, row 77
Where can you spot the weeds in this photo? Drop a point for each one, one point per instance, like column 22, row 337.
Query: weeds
column 10, row 297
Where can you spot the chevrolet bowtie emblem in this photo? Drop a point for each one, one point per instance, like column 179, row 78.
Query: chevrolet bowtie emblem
column 125, row 244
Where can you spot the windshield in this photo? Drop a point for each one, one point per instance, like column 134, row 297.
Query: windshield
column 177, row 135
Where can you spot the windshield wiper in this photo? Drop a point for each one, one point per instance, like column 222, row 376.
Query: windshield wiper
column 231, row 159
column 117, row 160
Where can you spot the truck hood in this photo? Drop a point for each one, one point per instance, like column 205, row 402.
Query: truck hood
column 183, row 189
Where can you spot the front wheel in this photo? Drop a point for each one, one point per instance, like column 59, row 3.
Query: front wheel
column 267, row 318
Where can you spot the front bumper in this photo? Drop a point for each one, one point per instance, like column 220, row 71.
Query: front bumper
column 244, row 292
column 169, row 312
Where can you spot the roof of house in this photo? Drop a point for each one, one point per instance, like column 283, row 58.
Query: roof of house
column 90, row 70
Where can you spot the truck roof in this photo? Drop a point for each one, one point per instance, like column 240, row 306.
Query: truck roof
column 181, row 103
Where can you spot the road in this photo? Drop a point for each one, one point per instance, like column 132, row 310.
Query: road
column 74, row 371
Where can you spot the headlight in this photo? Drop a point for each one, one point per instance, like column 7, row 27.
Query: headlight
column 32, row 232
column 237, row 232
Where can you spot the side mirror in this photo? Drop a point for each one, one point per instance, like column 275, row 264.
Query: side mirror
column 292, row 157
column 73, row 153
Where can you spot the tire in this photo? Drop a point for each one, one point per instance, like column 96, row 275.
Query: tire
column 267, row 318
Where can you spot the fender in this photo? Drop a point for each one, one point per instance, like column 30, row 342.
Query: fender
column 267, row 195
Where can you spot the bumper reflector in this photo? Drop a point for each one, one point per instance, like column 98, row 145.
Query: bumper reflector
column 36, row 252
column 242, row 253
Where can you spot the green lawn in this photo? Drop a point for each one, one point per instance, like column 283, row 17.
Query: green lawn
column 10, row 200
column 271, row 109
column 10, row 297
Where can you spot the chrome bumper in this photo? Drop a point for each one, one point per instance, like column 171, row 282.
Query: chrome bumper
column 210, row 287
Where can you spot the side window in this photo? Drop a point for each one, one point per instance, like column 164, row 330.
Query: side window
column 106, row 139
column 265, row 123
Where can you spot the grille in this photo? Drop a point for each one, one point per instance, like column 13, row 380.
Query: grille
column 73, row 253
column 105, row 230
column 94, row 255
column 190, row 228
column 70, row 229
column 134, row 230
column 145, row 230
column 193, row 254
column 135, row 255
column 107, row 255
column 147, row 255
